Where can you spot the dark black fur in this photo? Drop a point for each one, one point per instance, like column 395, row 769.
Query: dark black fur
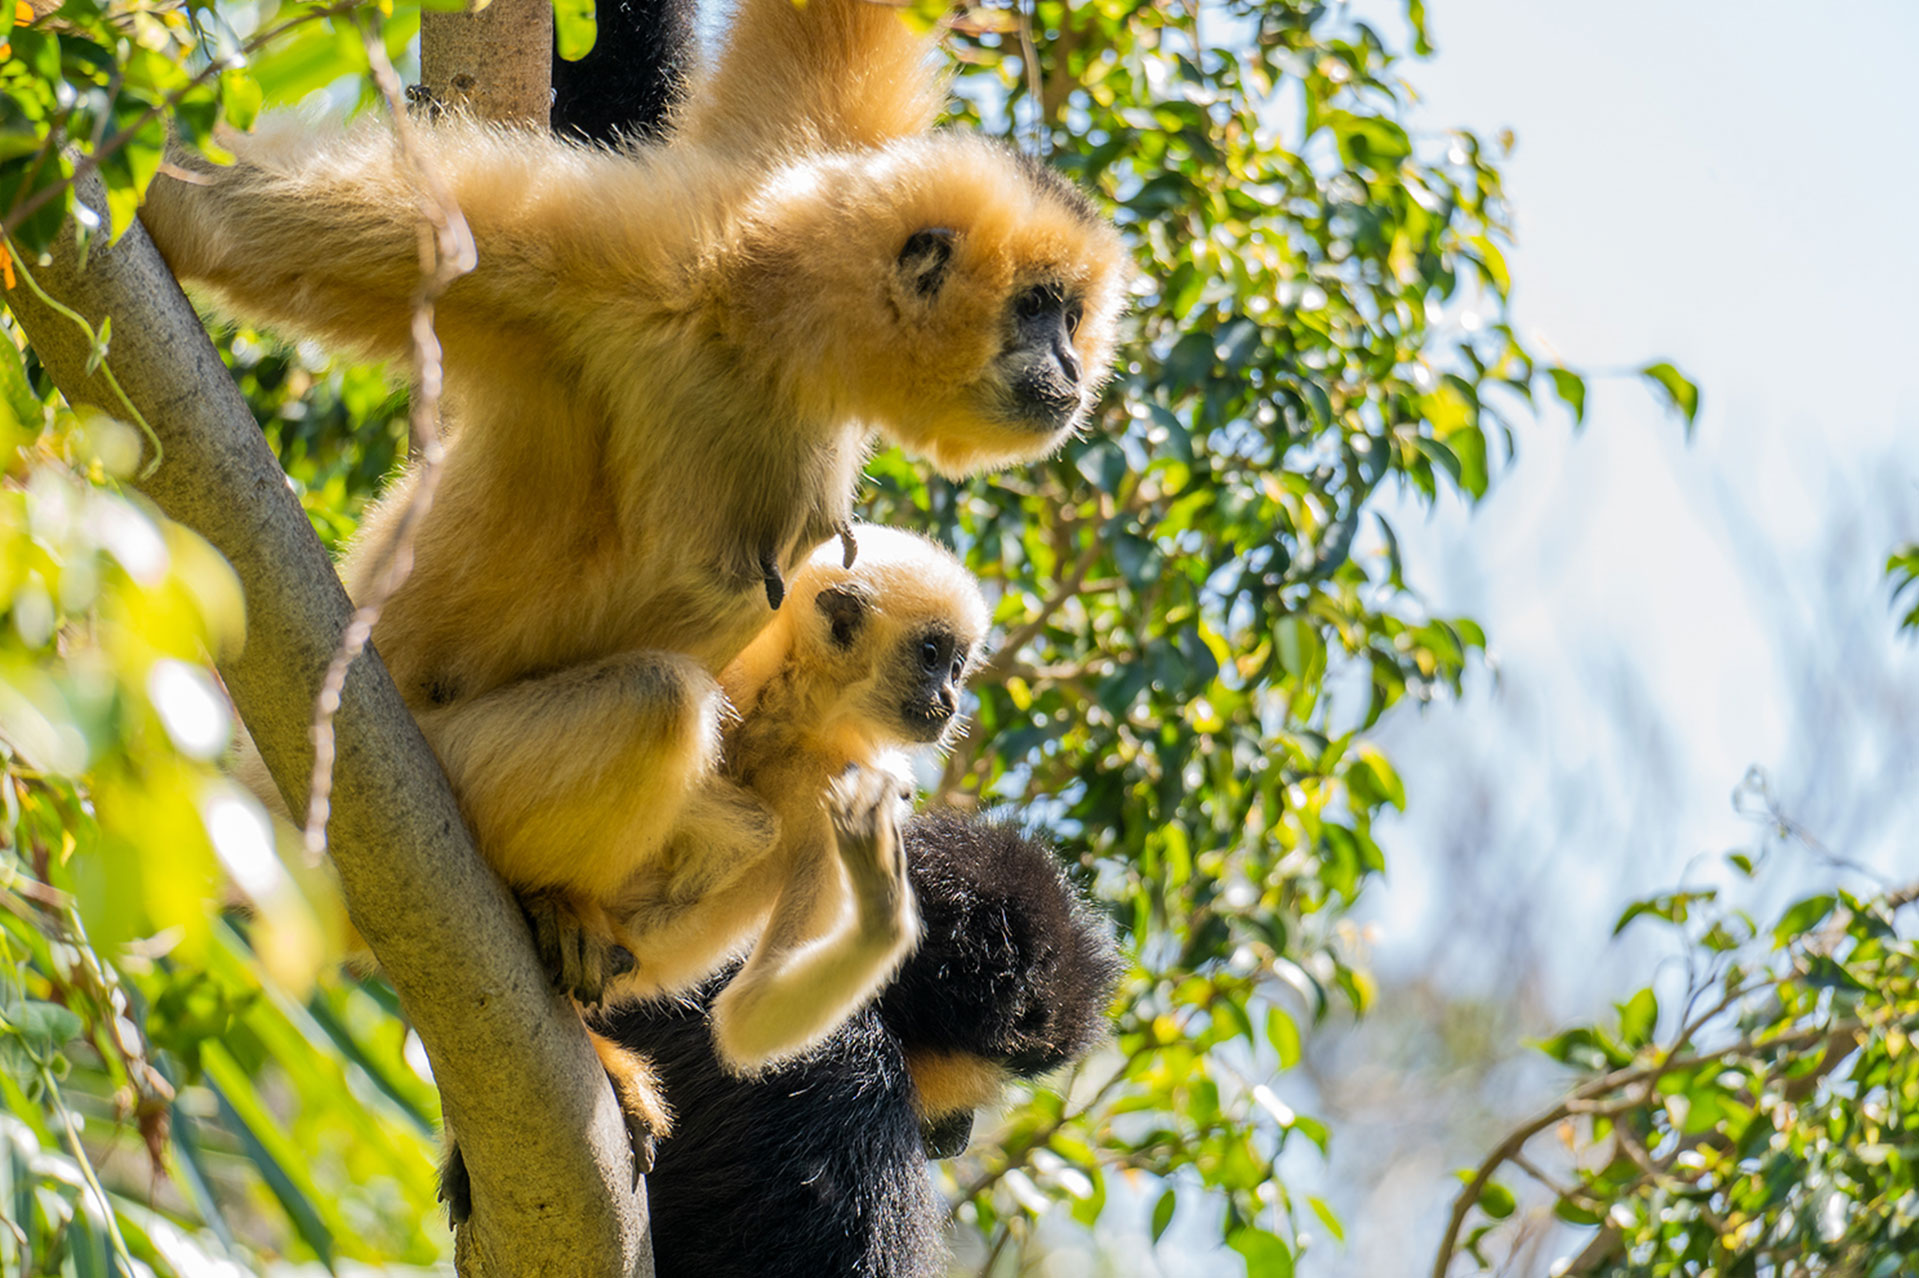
column 636, row 73
column 819, row 1168
column 1013, row 967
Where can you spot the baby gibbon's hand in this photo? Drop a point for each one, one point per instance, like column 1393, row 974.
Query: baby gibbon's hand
column 867, row 805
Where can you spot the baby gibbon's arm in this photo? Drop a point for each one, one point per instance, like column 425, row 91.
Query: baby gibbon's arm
column 798, row 987
column 826, row 74
column 319, row 231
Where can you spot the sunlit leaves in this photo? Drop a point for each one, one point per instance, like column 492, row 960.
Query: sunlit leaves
column 1903, row 568
column 1681, row 395
column 1767, row 1126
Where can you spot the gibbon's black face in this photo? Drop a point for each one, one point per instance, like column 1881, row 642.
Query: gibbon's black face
column 917, row 682
column 1040, row 373
column 930, row 666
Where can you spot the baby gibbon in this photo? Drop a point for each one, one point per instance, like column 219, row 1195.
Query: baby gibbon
column 661, row 382
column 819, row 1166
column 862, row 664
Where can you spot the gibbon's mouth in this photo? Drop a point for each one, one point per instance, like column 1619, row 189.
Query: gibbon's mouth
column 1039, row 401
column 925, row 722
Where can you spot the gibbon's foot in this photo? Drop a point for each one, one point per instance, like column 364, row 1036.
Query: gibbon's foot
column 866, row 805
column 456, row 1186
column 637, row 1089
column 580, row 960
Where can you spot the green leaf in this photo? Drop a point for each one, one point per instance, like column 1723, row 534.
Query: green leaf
column 1679, row 393
column 1283, row 1034
column 45, row 1027
column 1327, row 1217
column 240, row 97
column 574, row 28
column 1571, row 388
column 16, row 396
column 1266, row 1255
column 1163, row 1212
column 1496, row 1200
column 1638, row 1017
column 1802, row 916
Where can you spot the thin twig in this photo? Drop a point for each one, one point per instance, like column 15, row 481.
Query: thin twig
column 1037, row 123
column 446, row 253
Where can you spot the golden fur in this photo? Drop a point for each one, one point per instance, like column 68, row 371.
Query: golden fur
column 828, row 693
column 660, row 383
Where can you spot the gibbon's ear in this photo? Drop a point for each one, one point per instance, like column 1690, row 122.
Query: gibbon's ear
column 845, row 608
column 923, row 262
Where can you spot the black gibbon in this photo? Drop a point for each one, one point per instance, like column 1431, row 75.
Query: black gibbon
column 819, row 1167
column 661, row 382
column 861, row 664
column 633, row 77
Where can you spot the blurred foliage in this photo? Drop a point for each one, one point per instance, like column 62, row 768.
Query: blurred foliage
column 1903, row 567
column 1765, row 1119
column 1204, row 616
column 182, row 1082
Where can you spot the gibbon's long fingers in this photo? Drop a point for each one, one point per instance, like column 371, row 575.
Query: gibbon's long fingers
column 827, row 74
column 849, row 544
column 865, row 804
column 794, row 991
column 576, row 779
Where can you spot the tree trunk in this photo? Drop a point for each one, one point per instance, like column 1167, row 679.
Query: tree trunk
column 495, row 63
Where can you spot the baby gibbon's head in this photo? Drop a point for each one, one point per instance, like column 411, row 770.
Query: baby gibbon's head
column 960, row 296
column 891, row 639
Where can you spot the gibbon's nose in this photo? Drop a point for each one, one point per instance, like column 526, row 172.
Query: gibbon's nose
column 1068, row 361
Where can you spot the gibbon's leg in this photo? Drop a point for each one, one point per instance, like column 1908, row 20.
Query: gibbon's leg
column 797, row 986
column 318, row 231
column 571, row 781
column 827, row 74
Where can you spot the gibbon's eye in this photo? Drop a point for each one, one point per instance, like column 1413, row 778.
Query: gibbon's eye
column 1074, row 315
column 929, row 654
column 1037, row 301
column 959, row 668
column 924, row 259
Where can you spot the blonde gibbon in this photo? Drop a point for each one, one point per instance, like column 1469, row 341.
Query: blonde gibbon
column 794, row 847
column 661, row 380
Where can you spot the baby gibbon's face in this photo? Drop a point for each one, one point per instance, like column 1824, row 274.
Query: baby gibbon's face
column 907, row 671
column 890, row 639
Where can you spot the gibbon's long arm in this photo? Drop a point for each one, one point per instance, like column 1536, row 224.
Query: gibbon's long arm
column 797, row 987
column 319, row 232
column 825, row 75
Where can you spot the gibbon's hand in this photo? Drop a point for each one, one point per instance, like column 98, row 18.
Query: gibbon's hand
column 866, row 805
column 580, row 959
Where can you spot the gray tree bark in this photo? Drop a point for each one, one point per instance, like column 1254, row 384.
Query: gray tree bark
column 553, row 1179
